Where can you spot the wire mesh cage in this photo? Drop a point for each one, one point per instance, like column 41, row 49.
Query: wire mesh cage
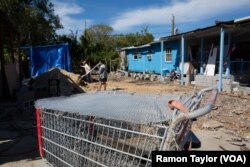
column 111, row 128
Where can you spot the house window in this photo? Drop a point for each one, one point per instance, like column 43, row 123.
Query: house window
column 135, row 56
column 139, row 55
column 149, row 55
column 168, row 54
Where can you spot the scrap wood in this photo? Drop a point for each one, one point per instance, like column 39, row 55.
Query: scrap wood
column 237, row 144
column 224, row 149
column 236, row 95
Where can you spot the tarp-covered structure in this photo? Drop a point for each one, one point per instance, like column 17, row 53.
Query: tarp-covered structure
column 44, row 58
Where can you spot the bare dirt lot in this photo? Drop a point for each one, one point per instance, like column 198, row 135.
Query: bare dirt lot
column 226, row 127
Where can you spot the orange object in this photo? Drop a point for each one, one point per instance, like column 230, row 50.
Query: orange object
column 172, row 104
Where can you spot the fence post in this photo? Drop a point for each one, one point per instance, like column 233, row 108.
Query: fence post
column 39, row 131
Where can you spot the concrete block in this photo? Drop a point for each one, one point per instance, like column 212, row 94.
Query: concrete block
column 193, row 82
column 140, row 76
column 245, row 93
column 135, row 75
column 147, row 77
column 227, row 88
column 198, row 77
column 197, row 80
column 226, row 81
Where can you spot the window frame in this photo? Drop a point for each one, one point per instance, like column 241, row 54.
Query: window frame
column 135, row 56
column 168, row 55
column 149, row 55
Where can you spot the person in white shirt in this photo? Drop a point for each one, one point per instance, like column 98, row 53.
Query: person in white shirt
column 87, row 71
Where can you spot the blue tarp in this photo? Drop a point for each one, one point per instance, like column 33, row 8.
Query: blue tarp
column 45, row 57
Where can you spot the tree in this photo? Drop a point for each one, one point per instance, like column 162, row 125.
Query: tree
column 75, row 48
column 34, row 19
column 134, row 39
column 100, row 33
column 98, row 43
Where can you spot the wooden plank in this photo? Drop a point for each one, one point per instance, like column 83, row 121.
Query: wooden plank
column 190, row 56
column 210, row 67
column 188, row 68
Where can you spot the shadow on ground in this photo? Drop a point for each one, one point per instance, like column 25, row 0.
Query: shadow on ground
column 18, row 134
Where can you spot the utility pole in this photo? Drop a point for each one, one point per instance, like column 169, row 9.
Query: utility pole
column 173, row 26
column 85, row 27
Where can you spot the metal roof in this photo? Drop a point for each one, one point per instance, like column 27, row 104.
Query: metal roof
column 231, row 24
column 200, row 32
column 140, row 46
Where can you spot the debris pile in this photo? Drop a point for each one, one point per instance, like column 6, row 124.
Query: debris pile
column 56, row 82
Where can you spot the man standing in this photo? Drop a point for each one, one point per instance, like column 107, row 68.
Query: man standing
column 103, row 75
column 87, row 71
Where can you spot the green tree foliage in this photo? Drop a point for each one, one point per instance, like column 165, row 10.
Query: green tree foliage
column 98, row 42
column 34, row 20
column 75, row 48
column 134, row 39
column 36, row 24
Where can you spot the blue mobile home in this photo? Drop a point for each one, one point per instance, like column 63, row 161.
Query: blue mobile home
column 151, row 58
column 232, row 60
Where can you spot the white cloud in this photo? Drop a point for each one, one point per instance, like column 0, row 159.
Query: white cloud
column 66, row 12
column 65, row 8
column 185, row 11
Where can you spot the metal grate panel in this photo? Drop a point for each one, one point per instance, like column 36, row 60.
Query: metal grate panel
column 130, row 107
column 114, row 128
column 77, row 140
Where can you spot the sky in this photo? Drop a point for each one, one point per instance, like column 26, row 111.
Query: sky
column 131, row 16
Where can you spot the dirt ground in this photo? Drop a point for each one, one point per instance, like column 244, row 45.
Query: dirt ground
column 226, row 127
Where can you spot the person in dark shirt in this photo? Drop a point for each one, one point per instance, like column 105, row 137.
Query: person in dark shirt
column 103, row 75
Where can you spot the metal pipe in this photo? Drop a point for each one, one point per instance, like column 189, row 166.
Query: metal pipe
column 182, row 60
column 88, row 72
column 39, row 132
column 187, row 116
column 108, row 126
column 228, row 56
column 202, row 55
column 162, row 58
column 221, row 58
column 97, row 144
column 200, row 112
column 56, row 157
column 31, row 61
